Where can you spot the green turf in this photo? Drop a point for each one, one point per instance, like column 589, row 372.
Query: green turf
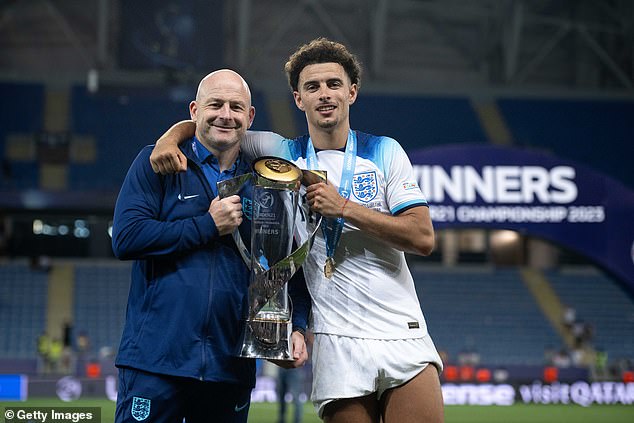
column 521, row 413
column 267, row 412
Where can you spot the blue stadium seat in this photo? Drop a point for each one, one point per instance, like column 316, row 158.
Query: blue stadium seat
column 22, row 111
column 101, row 293
column 573, row 129
column 414, row 121
column 122, row 121
column 483, row 309
column 23, row 293
column 602, row 302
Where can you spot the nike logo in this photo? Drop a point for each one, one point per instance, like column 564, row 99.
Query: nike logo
column 187, row 197
column 239, row 408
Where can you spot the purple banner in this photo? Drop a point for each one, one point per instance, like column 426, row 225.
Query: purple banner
column 491, row 187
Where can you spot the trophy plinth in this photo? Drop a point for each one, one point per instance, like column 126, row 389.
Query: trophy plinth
column 270, row 205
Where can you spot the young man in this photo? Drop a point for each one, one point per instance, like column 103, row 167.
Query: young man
column 373, row 357
column 188, row 295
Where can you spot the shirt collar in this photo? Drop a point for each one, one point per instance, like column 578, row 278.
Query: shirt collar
column 206, row 156
column 201, row 151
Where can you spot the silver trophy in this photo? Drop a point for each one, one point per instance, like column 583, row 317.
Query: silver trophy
column 273, row 217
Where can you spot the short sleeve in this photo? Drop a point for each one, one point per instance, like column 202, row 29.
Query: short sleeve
column 262, row 143
column 402, row 190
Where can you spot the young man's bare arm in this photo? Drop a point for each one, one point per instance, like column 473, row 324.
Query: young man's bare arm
column 411, row 231
column 166, row 157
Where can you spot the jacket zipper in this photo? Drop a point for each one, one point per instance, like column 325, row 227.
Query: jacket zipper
column 205, row 329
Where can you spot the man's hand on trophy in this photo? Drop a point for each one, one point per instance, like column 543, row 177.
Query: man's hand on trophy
column 227, row 213
column 300, row 352
column 324, row 199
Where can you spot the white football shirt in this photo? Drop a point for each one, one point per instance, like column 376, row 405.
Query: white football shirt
column 371, row 294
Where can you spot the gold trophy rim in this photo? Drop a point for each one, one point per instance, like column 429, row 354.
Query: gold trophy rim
column 262, row 167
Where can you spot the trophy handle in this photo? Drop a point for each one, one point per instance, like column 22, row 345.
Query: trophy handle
column 270, row 284
column 230, row 187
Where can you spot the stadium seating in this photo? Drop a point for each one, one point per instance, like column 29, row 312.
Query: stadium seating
column 483, row 309
column 101, row 293
column 472, row 308
column 22, row 107
column 122, row 121
column 602, row 302
column 414, row 121
column 23, row 296
column 573, row 129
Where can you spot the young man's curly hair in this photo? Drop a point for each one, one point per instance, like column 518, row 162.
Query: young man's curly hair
column 322, row 50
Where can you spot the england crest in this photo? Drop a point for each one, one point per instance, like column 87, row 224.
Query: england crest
column 364, row 186
column 140, row 408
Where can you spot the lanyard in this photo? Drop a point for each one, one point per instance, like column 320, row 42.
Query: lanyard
column 332, row 228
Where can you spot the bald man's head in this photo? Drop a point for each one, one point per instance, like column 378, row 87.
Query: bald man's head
column 222, row 111
column 222, row 76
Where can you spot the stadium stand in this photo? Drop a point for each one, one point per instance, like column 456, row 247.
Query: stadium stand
column 418, row 122
column 468, row 308
column 122, row 122
column 101, row 293
column 573, row 129
column 19, row 168
column 484, row 309
column 113, row 124
column 23, row 296
column 414, row 121
column 603, row 303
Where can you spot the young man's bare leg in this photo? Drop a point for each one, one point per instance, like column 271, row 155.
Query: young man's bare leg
column 419, row 400
column 353, row 410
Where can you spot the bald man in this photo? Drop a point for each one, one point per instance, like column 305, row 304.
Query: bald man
column 189, row 286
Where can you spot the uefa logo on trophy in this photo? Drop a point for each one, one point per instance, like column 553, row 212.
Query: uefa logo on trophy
column 274, row 222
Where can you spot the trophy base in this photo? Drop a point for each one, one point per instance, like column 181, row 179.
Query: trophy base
column 268, row 339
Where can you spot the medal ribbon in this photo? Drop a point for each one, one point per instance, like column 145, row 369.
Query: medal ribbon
column 332, row 228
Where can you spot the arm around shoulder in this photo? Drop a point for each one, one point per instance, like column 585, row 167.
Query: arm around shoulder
column 166, row 157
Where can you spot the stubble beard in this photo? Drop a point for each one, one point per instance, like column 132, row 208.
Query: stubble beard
column 327, row 124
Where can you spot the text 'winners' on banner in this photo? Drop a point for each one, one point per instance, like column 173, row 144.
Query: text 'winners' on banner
column 491, row 187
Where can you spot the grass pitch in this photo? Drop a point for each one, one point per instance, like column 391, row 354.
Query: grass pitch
column 520, row 413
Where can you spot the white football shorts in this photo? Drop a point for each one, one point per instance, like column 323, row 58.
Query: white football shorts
column 345, row 367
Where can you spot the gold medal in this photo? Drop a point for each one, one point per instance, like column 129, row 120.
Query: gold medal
column 329, row 267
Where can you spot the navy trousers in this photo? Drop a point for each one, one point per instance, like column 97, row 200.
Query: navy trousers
column 155, row 398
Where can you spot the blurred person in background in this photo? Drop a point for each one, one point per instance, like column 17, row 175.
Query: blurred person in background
column 68, row 353
column 83, row 353
column 569, row 316
column 290, row 383
column 373, row 357
column 188, row 296
column 55, row 355
column 43, row 353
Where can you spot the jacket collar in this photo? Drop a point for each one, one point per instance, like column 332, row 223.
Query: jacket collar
column 193, row 148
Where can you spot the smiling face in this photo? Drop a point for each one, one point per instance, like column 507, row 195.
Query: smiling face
column 222, row 111
column 325, row 93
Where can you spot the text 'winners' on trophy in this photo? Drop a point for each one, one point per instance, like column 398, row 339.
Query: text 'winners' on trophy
column 273, row 217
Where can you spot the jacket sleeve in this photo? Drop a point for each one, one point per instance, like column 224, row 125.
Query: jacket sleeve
column 300, row 298
column 137, row 232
